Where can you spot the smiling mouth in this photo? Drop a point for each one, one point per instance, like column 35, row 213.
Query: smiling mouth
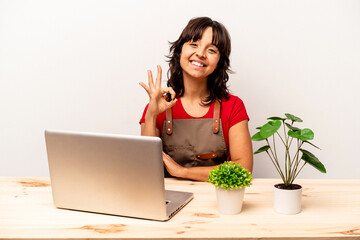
column 197, row 64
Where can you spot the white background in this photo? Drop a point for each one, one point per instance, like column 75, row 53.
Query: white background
column 76, row 65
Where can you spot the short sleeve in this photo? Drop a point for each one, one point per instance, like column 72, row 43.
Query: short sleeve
column 159, row 119
column 142, row 120
column 238, row 112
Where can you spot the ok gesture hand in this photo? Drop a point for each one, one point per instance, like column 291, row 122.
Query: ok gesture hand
column 158, row 102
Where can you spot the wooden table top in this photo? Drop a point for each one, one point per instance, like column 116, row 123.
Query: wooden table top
column 330, row 210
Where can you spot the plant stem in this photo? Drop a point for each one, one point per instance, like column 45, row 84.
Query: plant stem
column 267, row 141
column 291, row 141
column 286, row 138
column 298, row 173
column 280, row 138
column 275, row 161
column 292, row 161
column 274, row 147
column 297, row 161
column 277, row 167
column 287, row 156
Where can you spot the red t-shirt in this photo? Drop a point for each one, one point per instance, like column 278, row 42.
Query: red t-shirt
column 232, row 111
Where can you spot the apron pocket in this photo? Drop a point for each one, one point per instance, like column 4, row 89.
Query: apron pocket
column 211, row 158
column 182, row 154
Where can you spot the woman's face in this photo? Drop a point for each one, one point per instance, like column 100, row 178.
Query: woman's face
column 200, row 58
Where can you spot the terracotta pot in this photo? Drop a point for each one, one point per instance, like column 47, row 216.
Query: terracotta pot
column 287, row 201
column 230, row 202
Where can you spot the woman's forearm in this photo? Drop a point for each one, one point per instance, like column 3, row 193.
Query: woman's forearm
column 148, row 128
column 197, row 173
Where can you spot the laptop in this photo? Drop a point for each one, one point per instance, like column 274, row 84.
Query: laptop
column 111, row 174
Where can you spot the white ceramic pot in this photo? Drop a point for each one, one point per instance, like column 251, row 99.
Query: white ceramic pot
column 230, row 202
column 287, row 201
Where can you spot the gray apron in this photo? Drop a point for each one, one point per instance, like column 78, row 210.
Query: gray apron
column 194, row 142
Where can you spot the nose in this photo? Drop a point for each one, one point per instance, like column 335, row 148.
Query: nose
column 201, row 52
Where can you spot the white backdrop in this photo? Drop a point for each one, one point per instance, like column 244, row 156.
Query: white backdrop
column 76, row 65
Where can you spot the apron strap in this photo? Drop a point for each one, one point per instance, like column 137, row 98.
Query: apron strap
column 216, row 119
column 168, row 123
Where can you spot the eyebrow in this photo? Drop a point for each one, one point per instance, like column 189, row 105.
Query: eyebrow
column 212, row 43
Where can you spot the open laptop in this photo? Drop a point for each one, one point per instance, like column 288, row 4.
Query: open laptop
column 111, row 174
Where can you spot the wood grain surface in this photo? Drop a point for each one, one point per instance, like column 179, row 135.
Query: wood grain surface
column 330, row 210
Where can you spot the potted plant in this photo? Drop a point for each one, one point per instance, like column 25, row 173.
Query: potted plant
column 230, row 180
column 287, row 195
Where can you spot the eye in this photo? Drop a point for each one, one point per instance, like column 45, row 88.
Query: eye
column 212, row 50
column 193, row 44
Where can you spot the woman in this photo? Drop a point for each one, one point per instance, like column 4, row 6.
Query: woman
column 201, row 125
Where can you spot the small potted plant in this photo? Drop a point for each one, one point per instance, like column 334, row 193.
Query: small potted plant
column 230, row 180
column 287, row 195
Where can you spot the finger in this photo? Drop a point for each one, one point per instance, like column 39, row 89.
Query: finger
column 147, row 89
column 172, row 93
column 172, row 103
column 166, row 166
column 150, row 77
column 166, row 90
column 165, row 160
column 158, row 77
column 166, row 157
column 169, row 90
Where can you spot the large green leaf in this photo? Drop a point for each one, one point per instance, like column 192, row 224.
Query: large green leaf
column 276, row 118
column 270, row 128
column 293, row 118
column 257, row 137
column 294, row 134
column 262, row 149
column 312, row 160
column 304, row 134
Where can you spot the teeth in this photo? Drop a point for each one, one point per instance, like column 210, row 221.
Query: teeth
column 197, row 64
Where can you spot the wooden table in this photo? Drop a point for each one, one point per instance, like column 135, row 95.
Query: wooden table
column 330, row 210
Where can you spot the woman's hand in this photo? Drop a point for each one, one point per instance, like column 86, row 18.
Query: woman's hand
column 173, row 167
column 158, row 103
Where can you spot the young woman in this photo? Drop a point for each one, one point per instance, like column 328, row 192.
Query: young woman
column 201, row 124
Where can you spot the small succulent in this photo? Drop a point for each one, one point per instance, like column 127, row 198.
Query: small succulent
column 230, row 175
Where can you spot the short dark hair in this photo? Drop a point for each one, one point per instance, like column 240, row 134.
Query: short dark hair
column 217, row 80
